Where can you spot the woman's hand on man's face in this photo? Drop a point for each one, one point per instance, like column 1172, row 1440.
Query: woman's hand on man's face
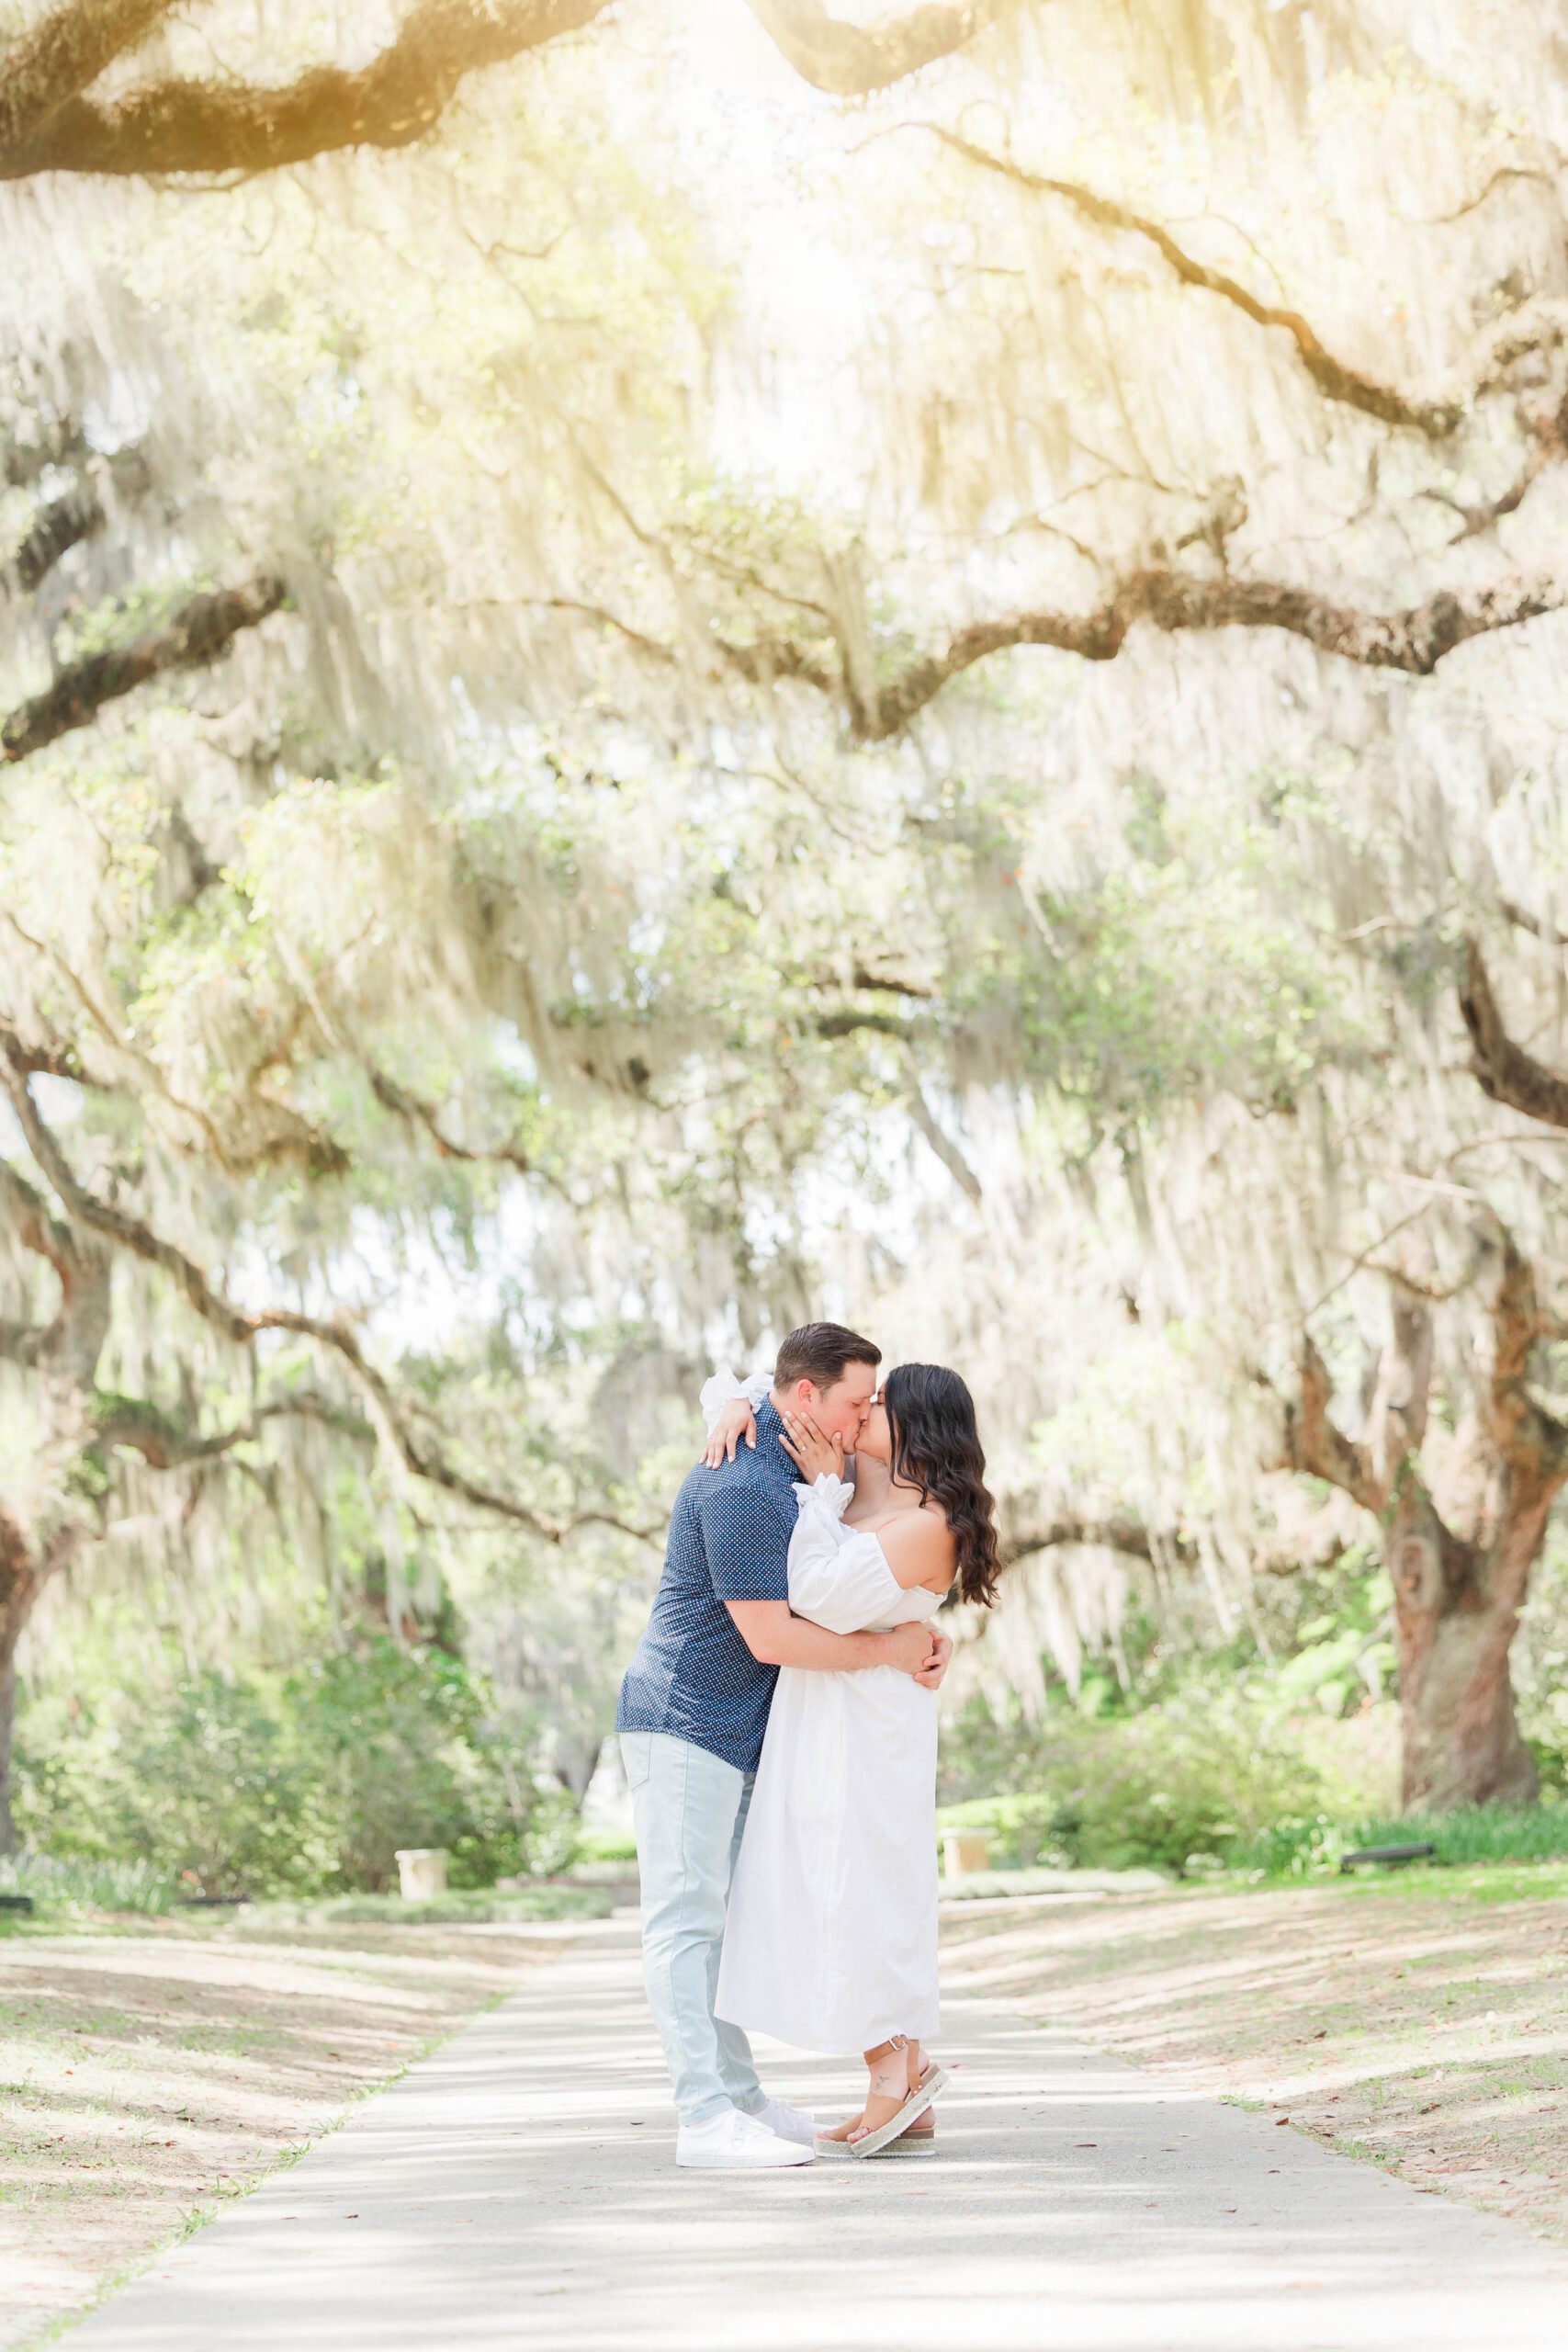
column 810, row 1449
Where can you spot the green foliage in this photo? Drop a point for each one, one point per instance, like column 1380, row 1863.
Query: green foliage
column 217, row 1791
column 474, row 1906
column 1019, row 1829
column 78, row 1885
column 1301, row 1848
column 1179, row 1781
column 396, row 1736
column 1176, row 1783
column 1226, row 1762
column 1178, row 1760
column 209, row 1789
column 295, row 1783
column 607, row 1846
column 1342, row 1654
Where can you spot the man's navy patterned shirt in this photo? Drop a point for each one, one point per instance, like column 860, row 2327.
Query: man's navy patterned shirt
column 692, row 1676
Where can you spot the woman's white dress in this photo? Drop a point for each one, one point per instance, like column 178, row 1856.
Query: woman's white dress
column 830, row 1940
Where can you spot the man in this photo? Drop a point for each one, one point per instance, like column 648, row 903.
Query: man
column 693, row 1709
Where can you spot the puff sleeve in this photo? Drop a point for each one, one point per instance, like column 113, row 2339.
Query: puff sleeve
column 723, row 1388
column 838, row 1578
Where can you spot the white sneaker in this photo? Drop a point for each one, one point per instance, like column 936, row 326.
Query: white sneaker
column 736, row 2142
column 789, row 2122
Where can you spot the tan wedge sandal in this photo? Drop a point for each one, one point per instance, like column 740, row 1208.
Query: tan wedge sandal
column 932, row 2083
column 915, row 2136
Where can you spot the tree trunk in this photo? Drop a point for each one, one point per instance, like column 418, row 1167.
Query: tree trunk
column 25, row 1568
column 1462, row 1740
column 1460, row 1564
column 1455, row 1618
column 575, row 1761
column 18, row 1590
column 8, row 1839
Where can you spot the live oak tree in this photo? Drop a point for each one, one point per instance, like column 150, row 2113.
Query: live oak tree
column 440, row 773
column 1455, row 451
column 1375, row 1168
column 1458, row 1549
column 223, row 1052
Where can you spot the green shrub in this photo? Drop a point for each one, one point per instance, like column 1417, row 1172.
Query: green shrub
column 218, row 1790
column 72, row 1886
column 394, row 1737
column 1296, row 1845
column 1299, row 1848
column 1179, row 1781
column 473, row 1906
column 607, row 1846
column 552, row 1840
column 1176, row 1783
column 210, row 1791
column 305, row 1783
column 1020, row 1828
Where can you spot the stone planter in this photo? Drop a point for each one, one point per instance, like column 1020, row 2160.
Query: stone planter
column 421, row 1872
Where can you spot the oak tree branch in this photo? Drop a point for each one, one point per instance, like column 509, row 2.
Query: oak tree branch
column 1316, row 1443
column 1503, row 1070
column 419, row 1454
column 191, row 126
column 1114, row 1534
column 63, row 55
column 51, row 122
column 1412, row 641
column 1334, row 376
column 198, row 633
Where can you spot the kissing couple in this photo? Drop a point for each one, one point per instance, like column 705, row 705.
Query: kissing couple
column 778, row 1724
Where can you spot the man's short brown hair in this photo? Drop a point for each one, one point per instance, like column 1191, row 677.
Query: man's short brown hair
column 819, row 1352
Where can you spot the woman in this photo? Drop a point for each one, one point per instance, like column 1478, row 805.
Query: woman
column 830, row 1941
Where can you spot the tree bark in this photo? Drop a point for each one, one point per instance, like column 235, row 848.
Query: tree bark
column 1460, row 1572
column 20, row 1583
column 189, row 125
column 51, row 122
column 1503, row 1070
column 43, row 71
column 56, row 529
column 1454, row 1626
column 1114, row 1534
column 1174, row 602
column 9, row 1840
column 198, row 633
column 26, row 1567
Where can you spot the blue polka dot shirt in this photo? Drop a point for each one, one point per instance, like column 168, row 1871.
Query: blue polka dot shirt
column 692, row 1676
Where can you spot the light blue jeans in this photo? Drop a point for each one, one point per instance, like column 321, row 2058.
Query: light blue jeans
column 689, row 1809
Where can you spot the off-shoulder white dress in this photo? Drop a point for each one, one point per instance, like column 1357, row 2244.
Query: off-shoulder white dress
column 830, row 1941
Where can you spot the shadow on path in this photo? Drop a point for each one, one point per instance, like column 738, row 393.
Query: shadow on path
column 518, row 2190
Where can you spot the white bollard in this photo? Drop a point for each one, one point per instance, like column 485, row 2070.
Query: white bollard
column 421, row 1872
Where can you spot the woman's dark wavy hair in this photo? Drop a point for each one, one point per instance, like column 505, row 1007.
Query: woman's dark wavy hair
column 936, row 1447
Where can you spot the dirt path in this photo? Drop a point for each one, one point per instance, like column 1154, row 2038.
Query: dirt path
column 149, row 2073
column 1417, row 2023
